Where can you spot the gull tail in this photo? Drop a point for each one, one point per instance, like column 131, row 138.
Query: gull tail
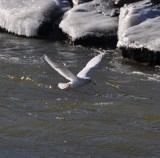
column 63, row 85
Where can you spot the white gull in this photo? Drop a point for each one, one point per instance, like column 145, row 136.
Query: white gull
column 82, row 77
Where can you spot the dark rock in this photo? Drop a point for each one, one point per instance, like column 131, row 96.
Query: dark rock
column 121, row 3
column 155, row 1
column 77, row 2
column 142, row 55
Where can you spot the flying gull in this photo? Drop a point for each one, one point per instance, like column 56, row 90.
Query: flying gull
column 82, row 77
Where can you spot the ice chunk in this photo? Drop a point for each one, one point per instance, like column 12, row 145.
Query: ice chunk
column 93, row 19
column 139, row 26
column 24, row 17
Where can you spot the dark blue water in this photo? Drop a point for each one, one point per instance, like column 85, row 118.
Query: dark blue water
column 119, row 117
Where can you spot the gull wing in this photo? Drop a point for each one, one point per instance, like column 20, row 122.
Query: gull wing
column 60, row 69
column 91, row 65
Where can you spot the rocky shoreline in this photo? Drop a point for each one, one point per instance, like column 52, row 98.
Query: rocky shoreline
column 130, row 25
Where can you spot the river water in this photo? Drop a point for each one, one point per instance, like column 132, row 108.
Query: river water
column 119, row 117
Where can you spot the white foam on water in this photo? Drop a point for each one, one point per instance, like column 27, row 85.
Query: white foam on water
column 104, row 103
column 7, row 58
column 138, row 73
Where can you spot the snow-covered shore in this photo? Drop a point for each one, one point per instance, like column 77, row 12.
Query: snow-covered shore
column 132, row 26
column 26, row 17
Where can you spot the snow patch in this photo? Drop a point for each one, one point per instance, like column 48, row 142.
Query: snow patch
column 139, row 26
column 25, row 17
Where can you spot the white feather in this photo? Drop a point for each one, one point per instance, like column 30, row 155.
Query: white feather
column 91, row 65
column 81, row 79
column 60, row 69
column 63, row 85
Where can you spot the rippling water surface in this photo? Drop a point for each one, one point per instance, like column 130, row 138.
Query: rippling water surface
column 119, row 117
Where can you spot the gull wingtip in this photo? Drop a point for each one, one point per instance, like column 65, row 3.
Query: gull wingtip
column 102, row 53
column 44, row 56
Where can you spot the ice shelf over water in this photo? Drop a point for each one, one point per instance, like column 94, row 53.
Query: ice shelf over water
column 93, row 19
column 89, row 22
column 24, row 17
column 139, row 26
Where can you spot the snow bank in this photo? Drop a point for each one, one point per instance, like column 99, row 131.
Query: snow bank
column 93, row 19
column 139, row 26
column 24, row 17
